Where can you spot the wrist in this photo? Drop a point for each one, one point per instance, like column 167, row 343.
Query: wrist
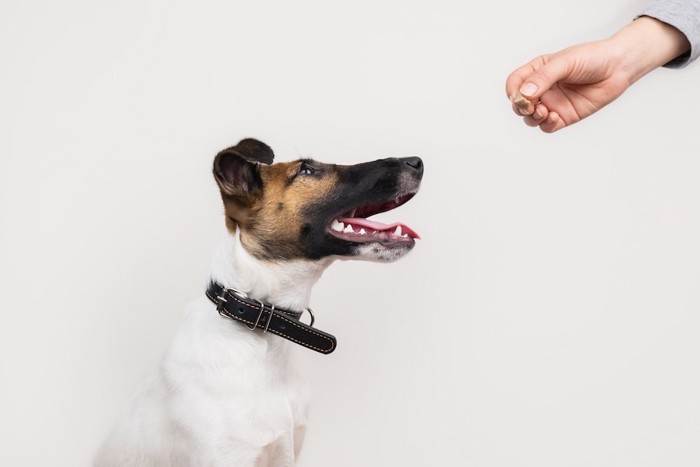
column 646, row 44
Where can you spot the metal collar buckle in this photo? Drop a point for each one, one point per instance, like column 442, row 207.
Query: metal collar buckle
column 311, row 313
column 221, row 299
column 262, row 310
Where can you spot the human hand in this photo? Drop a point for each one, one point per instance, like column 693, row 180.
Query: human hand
column 557, row 90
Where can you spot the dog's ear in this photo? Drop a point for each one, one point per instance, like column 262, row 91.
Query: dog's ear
column 237, row 172
column 237, row 176
column 253, row 150
column 236, row 169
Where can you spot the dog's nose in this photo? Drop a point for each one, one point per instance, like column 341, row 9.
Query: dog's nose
column 415, row 163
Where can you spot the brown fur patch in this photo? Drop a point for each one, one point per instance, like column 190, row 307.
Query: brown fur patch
column 284, row 211
column 275, row 221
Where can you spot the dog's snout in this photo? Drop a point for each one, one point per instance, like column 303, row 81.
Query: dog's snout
column 415, row 163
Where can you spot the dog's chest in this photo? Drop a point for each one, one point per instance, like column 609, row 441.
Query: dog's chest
column 238, row 383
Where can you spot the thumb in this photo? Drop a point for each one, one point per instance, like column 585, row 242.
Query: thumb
column 539, row 82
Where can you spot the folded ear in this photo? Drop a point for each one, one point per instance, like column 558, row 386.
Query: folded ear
column 253, row 150
column 237, row 173
column 236, row 168
column 237, row 176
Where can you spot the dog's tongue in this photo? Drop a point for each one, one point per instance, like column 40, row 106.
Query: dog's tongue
column 379, row 226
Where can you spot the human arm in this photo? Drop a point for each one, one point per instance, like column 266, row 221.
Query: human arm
column 563, row 88
column 683, row 15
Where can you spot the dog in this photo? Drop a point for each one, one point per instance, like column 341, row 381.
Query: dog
column 227, row 392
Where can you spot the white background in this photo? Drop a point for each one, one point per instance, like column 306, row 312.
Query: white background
column 550, row 316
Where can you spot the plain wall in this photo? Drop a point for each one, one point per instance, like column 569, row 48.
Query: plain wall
column 549, row 317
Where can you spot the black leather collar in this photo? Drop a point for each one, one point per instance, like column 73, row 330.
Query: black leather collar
column 255, row 314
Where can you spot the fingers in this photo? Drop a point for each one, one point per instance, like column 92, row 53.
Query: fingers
column 552, row 123
column 549, row 122
column 538, row 116
column 522, row 105
column 554, row 69
column 526, row 85
column 516, row 79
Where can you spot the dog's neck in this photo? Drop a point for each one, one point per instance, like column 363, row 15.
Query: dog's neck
column 285, row 284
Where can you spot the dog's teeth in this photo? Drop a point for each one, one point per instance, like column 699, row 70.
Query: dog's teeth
column 337, row 226
column 405, row 235
column 362, row 232
column 352, row 214
column 348, row 229
column 398, row 230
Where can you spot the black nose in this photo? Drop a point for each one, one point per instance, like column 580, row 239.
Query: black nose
column 415, row 163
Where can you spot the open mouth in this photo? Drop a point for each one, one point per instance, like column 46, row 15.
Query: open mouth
column 354, row 226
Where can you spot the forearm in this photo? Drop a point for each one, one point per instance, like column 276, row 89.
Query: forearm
column 645, row 45
column 684, row 15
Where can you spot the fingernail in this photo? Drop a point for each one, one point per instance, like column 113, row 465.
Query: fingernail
column 524, row 111
column 537, row 114
column 528, row 89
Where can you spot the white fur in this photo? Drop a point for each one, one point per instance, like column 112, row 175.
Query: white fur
column 223, row 395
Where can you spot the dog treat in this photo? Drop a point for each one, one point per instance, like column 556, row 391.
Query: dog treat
column 521, row 102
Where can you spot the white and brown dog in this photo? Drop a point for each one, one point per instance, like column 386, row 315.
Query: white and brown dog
column 228, row 393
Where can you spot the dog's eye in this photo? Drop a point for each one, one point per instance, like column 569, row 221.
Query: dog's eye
column 306, row 169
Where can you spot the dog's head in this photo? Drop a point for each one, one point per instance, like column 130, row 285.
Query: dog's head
column 309, row 210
